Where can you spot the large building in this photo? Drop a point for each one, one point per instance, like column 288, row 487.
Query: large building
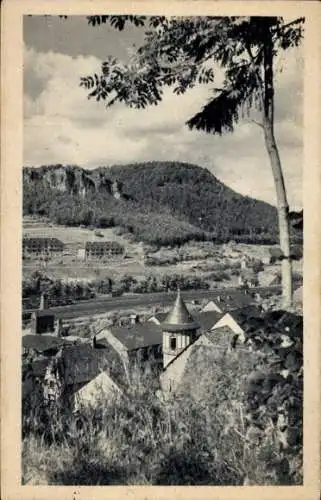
column 103, row 249
column 41, row 247
column 137, row 343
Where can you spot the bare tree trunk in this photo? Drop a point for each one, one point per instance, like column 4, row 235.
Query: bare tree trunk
column 283, row 210
column 272, row 150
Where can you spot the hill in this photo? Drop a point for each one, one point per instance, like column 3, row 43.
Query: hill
column 158, row 202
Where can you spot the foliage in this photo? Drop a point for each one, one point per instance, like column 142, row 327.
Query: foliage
column 179, row 52
column 183, row 203
column 58, row 292
column 197, row 437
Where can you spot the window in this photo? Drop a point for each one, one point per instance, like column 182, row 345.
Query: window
column 172, row 343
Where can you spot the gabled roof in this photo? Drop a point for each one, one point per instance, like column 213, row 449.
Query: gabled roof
column 81, row 363
column 41, row 342
column 160, row 316
column 113, row 245
column 207, row 319
column 220, row 336
column 235, row 300
column 138, row 335
column 211, row 306
column 41, row 241
column 179, row 318
column 100, row 386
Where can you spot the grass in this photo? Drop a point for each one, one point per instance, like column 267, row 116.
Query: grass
column 197, row 437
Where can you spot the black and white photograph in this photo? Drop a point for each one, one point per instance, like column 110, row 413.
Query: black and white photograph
column 162, row 250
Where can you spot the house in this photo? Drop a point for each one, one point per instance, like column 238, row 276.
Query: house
column 212, row 306
column 95, row 391
column 207, row 320
column 81, row 368
column 239, row 320
column 192, row 358
column 235, row 300
column 48, row 345
column 136, row 343
column 103, row 249
column 46, row 247
column 194, row 368
column 157, row 341
column 73, row 373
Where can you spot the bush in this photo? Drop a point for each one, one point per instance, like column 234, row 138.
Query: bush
column 197, row 437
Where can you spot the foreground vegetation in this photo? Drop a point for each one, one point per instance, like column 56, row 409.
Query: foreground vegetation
column 219, row 429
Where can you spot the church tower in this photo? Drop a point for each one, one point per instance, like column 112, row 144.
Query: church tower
column 179, row 330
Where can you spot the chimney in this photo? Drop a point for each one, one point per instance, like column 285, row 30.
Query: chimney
column 218, row 298
column 43, row 302
column 94, row 342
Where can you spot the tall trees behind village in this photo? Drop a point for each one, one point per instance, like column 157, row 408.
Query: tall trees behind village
column 182, row 53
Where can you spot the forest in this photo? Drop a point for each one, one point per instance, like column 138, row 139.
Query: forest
column 182, row 202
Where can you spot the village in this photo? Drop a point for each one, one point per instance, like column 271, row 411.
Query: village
column 162, row 251
column 79, row 368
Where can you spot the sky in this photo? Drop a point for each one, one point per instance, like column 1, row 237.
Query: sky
column 62, row 126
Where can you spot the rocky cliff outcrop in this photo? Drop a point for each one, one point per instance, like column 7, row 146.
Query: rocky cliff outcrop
column 72, row 180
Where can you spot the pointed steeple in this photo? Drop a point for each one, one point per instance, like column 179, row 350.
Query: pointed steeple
column 179, row 318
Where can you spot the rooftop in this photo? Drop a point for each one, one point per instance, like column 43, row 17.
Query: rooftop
column 207, row 319
column 138, row 335
column 220, row 336
column 42, row 342
column 179, row 318
column 103, row 245
column 81, row 363
column 41, row 240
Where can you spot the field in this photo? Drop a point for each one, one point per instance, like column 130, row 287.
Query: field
column 74, row 238
column 199, row 259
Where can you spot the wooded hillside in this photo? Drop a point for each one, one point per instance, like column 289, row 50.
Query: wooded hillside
column 158, row 202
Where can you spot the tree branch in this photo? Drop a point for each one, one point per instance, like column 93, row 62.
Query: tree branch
column 257, row 123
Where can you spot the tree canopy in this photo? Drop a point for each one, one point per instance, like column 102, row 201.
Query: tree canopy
column 179, row 53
